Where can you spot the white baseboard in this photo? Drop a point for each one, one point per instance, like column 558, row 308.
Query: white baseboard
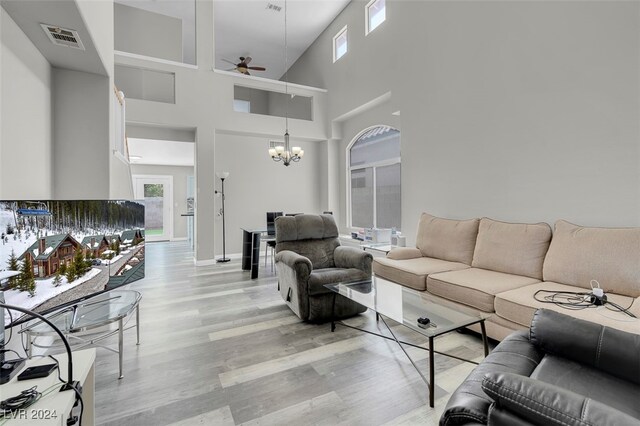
column 209, row 262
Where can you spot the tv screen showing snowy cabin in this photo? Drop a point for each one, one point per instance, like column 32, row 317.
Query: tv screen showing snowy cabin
column 54, row 253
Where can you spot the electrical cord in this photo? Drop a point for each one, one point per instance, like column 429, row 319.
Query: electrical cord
column 4, row 351
column 619, row 308
column 19, row 402
column 578, row 300
column 566, row 299
column 77, row 391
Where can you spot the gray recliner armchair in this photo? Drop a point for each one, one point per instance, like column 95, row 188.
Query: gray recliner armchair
column 308, row 256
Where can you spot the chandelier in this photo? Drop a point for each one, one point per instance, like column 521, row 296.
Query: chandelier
column 285, row 153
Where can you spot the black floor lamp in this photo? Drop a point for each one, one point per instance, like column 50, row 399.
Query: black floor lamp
column 223, row 176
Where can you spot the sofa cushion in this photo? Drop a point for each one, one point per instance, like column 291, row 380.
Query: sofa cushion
column 402, row 253
column 519, row 305
column 305, row 227
column 412, row 272
column 513, row 248
column 474, row 287
column 579, row 254
column 590, row 382
column 319, row 252
column 447, row 239
column 319, row 277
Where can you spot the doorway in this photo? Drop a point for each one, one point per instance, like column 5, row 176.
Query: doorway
column 157, row 194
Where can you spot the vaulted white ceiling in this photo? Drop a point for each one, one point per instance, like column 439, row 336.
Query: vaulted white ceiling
column 252, row 28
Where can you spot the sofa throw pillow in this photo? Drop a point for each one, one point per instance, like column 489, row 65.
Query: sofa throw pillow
column 579, row 254
column 513, row 248
column 447, row 239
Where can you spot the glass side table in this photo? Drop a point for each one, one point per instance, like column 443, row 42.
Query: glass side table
column 76, row 321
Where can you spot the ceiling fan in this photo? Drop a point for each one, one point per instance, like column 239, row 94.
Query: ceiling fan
column 243, row 66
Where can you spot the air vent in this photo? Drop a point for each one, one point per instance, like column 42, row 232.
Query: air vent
column 62, row 36
column 273, row 7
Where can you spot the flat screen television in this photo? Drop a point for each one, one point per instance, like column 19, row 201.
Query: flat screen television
column 1, row 329
column 56, row 253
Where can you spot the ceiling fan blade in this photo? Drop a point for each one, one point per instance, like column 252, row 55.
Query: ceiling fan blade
column 229, row 62
column 247, row 73
column 257, row 68
column 247, row 59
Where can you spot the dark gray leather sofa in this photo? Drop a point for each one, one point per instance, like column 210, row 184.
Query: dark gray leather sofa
column 563, row 371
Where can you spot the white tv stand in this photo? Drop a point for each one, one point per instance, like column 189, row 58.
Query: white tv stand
column 55, row 408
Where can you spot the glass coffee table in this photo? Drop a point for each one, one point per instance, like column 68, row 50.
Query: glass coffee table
column 405, row 306
column 94, row 313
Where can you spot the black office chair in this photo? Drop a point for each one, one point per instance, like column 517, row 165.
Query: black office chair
column 270, row 240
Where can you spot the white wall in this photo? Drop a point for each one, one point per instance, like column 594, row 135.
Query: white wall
column 81, row 135
column 98, row 17
column 147, row 33
column 25, row 116
column 521, row 111
column 256, row 185
column 204, row 102
column 180, row 175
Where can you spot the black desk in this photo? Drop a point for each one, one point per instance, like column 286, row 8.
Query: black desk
column 251, row 250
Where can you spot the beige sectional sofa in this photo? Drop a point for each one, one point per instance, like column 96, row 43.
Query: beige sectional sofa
column 497, row 267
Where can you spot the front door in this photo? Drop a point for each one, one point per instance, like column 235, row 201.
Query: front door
column 157, row 194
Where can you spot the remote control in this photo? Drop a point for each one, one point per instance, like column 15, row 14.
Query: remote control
column 424, row 320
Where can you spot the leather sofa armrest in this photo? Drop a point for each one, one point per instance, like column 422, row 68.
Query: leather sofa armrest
column 351, row 257
column 543, row 403
column 499, row 416
column 613, row 351
column 404, row 253
column 469, row 403
column 300, row 264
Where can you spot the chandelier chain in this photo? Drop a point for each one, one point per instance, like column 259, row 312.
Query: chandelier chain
column 286, row 71
column 285, row 153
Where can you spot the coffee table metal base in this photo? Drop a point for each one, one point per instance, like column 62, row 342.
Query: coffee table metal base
column 431, row 381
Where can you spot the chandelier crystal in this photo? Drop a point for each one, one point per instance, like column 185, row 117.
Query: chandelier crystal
column 285, row 153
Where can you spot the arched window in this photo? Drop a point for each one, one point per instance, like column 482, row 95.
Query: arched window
column 374, row 182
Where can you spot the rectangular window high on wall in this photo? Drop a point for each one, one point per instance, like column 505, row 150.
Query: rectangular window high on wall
column 375, row 13
column 340, row 44
column 240, row 105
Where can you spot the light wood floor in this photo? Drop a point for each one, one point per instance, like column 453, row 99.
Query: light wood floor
column 220, row 349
